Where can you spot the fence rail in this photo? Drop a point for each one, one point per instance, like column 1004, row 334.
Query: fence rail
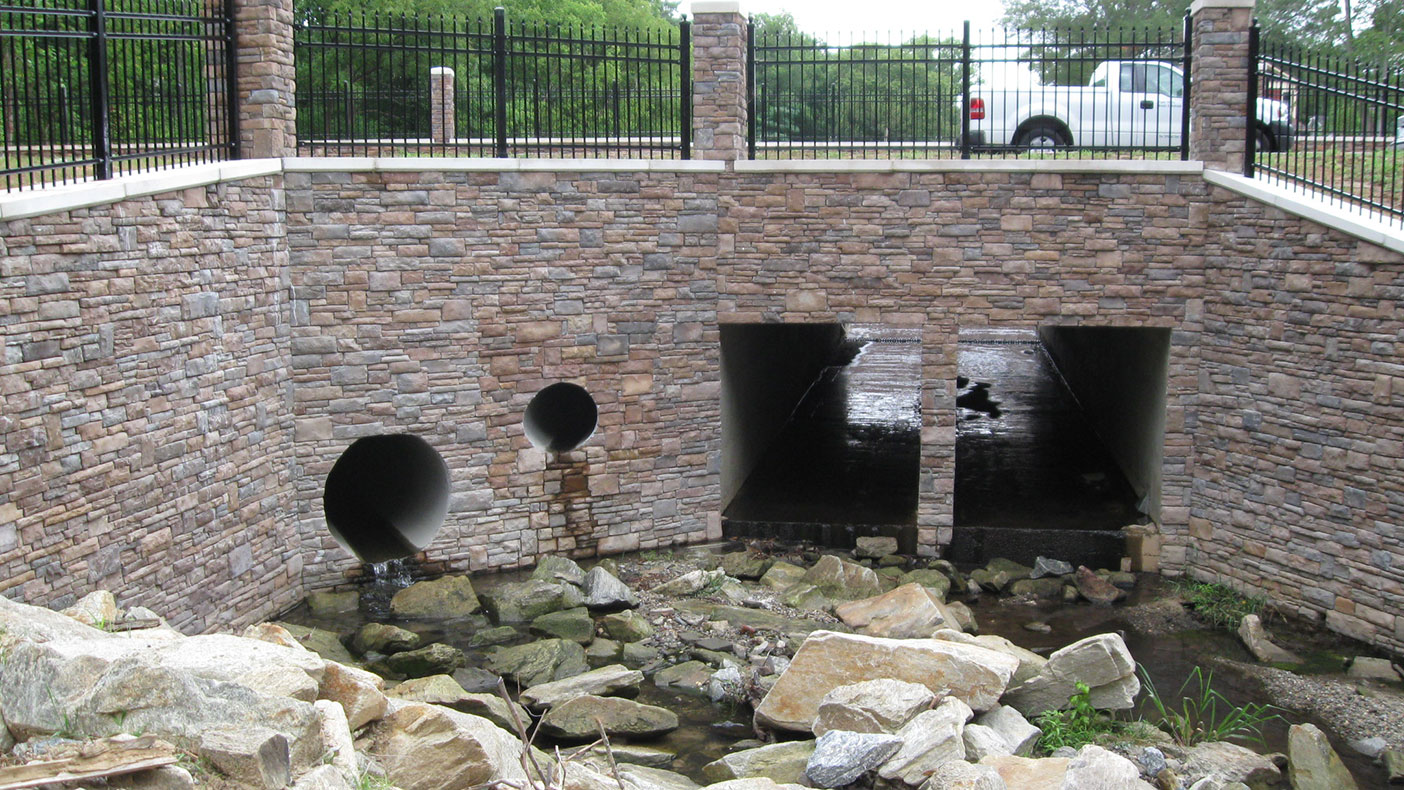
column 988, row 94
column 448, row 86
column 1350, row 117
column 90, row 89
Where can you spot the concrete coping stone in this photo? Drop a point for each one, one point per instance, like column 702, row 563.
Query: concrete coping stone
column 1350, row 223
column 49, row 200
column 355, row 164
column 716, row 7
column 1132, row 167
column 1199, row 5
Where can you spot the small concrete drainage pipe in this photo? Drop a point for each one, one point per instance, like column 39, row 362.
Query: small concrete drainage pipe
column 386, row 497
column 560, row 417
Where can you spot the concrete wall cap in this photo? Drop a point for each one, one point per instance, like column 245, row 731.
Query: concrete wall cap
column 441, row 70
column 716, row 7
column 1199, row 5
column 1109, row 166
column 1318, row 211
column 364, row 164
column 95, row 193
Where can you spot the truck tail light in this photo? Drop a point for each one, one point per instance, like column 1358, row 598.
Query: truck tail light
column 977, row 109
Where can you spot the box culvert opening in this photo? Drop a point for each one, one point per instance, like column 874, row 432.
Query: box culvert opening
column 386, row 497
column 560, row 417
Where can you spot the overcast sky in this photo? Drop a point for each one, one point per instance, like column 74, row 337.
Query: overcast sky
column 884, row 16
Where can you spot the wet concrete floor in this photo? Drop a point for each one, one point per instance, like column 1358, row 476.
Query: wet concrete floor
column 849, row 454
column 1028, row 463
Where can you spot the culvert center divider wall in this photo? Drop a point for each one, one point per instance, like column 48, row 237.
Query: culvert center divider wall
column 183, row 367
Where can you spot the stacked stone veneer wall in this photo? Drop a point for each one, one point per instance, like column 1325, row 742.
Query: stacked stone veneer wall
column 145, row 435
column 181, row 371
column 1298, row 491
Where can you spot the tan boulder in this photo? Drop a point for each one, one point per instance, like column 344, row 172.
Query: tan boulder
column 1101, row 661
column 97, row 609
column 1029, row 662
column 873, row 706
column 357, row 691
column 1027, row 773
column 1311, row 762
column 908, row 612
column 827, row 660
column 932, row 739
column 428, row 747
column 444, row 690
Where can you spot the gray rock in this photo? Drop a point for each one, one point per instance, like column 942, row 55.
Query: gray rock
column 602, row 648
column 638, row 654
column 580, row 718
column 558, row 570
column 1095, row 766
column 840, row 757
column 784, row 762
column 626, row 626
column 496, row 635
column 252, row 756
column 642, row 777
column 444, row 690
column 882, row 705
column 436, row 659
column 782, row 575
column 573, row 624
column 170, row 777
column 1228, row 762
column 605, row 592
column 476, row 679
column 726, row 684
column 690, row 582
column 1044, row 566
column 427, row 747
column 1371, row 747
column 1152, row 761
column 930, row 740
column 538, row 662
column 981, row 741
column 382, row 638
column 522, row 602
column 745, row 564
column 1256, row 639
column 937, row 582
column 1013, row 728
column 958, row 775
column 841, row 580
column 1311, row 762
column 323, row 777
column 1393, row 760
column 692, row 677
column 1101, row 661
column 603, row 682
column 874, row 547
column 1367, row 668
column 442, row 598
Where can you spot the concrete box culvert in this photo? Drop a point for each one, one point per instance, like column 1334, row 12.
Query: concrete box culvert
column 560, row 417
column 386, row 497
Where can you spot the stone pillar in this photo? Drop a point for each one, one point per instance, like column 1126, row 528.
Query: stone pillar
column 718, row 80
column 441, row 111
column 1219, row 82
column 267, row 81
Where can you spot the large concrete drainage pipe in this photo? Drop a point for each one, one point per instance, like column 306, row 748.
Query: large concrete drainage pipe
column 560, row 417
column 386, row 497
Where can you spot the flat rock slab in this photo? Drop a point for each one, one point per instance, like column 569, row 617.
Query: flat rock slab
column 612, row 680
column 975, row 675
column 582, row 717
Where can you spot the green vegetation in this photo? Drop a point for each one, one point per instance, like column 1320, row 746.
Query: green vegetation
column 1075, row 727
column 370, row 781
column 1204, row 714
column 1218, row 604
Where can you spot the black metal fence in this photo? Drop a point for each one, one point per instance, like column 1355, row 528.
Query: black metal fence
column 1046, row 94
column 90, row 89
column 1348, row 124
column 446, row 86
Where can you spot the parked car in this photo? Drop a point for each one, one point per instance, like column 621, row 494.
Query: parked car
column 1130, row 104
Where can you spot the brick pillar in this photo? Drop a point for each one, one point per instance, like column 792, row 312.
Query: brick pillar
column 267, row 82
column 441, row 112
column 1219, row 83
column 718, row 80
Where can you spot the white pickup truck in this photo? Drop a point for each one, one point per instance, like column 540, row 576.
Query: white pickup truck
column 1127, row 104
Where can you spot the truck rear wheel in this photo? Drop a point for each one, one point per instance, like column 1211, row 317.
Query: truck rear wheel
column 1042, row 137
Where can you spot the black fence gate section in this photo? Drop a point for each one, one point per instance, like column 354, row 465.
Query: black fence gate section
column 90, row 89
column 372, row 85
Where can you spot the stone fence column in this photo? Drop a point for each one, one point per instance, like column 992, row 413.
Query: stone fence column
column 441, row 111
column 267, row 80
column 718, row 80
column 1219, row 83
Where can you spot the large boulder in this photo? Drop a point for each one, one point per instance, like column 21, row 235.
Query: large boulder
column 1101, row 661
column 1226, row 763
column 613, row 680
column 427, row 747
column 1027, row 773
column 522, row 602
column 358, row 692
column 881, row 705
column 558, row 570
column 874, row 547
column 1029, row 662
column 937, row 582
column 442, row 598
column 746, row 564
column 981, row 741
column 1097, row 767
column 908, row 612
column 582, row 717
column 1311, row 762
column 444, row 690
column 1096, row 589
column 842, row 580
column 538, row 662
column 626, row 626
column 691, row 582
column 254, row 757
column 783, row 762
column 605, row 592
column 930, row 740
column 827, row 660
column 958, row 775
column 383, row 638
column 1020, row 736
column 781, row 575
column 436, row 659
column 841, row 757
column 573, row 624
